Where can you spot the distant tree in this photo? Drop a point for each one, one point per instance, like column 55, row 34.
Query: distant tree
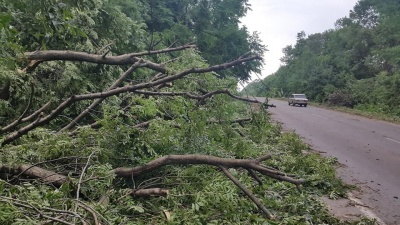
column 363, row 48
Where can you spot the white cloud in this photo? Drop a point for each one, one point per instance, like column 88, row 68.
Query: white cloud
column 279, row 21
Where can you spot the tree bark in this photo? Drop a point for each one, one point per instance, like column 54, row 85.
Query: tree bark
column 46, row 176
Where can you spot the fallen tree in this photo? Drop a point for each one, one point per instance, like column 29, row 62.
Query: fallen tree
column 60, row 171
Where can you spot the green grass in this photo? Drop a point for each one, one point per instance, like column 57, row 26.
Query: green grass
column 358, row 112
column 353, row 111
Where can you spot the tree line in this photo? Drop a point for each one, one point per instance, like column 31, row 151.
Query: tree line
column 354, row 65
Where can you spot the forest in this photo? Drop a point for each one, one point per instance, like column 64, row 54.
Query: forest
column 127, row 112
column 355, row 65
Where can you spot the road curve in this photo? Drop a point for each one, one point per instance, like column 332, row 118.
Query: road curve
column 369, row 151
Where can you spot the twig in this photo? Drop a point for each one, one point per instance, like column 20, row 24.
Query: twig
column 80, row 179
column 90, row 210
column 158, row 76
column 35, row 114
column 248, row 193
column 105, row 53
column 106, row 46
column 255, row 177
column 25, row 204
column 93, row 210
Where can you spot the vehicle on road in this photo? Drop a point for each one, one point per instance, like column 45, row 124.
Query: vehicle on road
column 298, row 99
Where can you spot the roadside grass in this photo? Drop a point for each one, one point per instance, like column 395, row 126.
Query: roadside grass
column 371, row 115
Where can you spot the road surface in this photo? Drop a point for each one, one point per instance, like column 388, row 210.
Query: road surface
column 369, row 151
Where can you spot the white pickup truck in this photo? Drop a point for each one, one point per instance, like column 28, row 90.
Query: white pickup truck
column 299, row 99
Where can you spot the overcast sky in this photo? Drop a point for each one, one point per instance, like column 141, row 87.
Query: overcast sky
column 279, row 21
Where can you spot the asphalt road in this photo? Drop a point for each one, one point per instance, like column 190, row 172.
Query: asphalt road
column 369, row 151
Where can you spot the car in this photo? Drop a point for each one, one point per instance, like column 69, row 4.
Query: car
column 298, row 99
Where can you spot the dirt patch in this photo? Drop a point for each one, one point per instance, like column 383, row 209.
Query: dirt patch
column 343, row 209
column 350, row 208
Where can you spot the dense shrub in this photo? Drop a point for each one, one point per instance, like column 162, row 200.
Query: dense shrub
column 340, row 99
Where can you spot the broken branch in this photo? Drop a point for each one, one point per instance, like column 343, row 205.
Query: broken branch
column 252, row 164
column 248, row 193
column 48, row 177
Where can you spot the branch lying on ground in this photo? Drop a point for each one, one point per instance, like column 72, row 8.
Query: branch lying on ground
column 130, row 88
column 251, row 165
column 248, row 193
column 46, row 176
column 248, row 164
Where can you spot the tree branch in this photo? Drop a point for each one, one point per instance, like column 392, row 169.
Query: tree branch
column 252, row 164
column 26, row 119
column 248, row 193
column 255, row 177
column 53, row 55
column 48, row 177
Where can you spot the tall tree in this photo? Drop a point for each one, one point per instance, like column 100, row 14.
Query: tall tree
column 212, row 25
